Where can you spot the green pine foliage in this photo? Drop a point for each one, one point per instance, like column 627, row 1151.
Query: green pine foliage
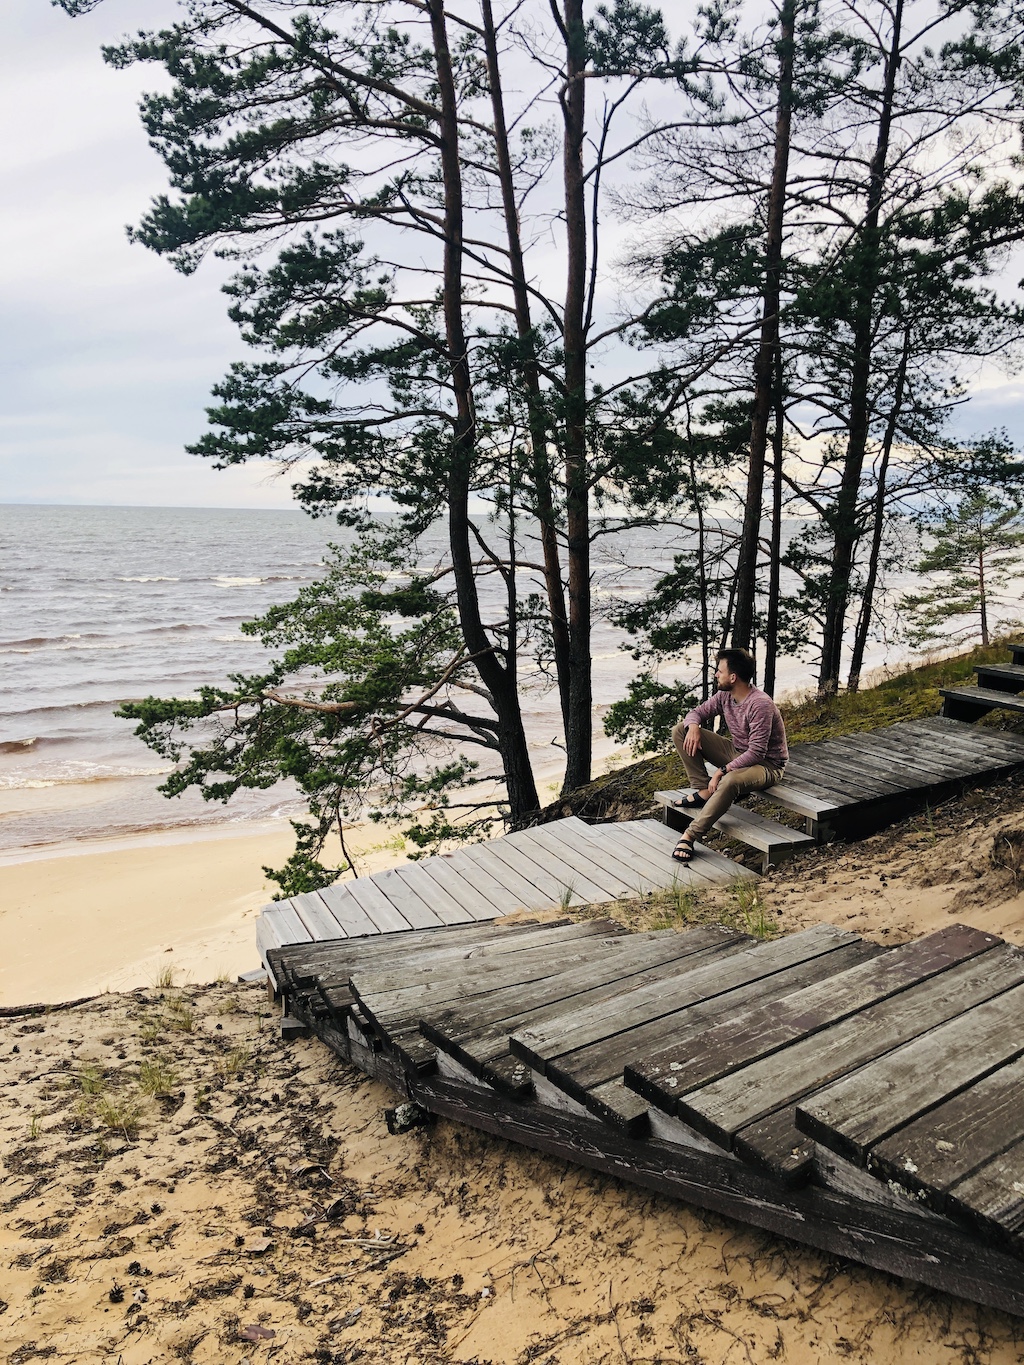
column 975, row 552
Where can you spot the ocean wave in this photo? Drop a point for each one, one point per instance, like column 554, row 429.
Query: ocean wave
column 228, row 581
column 94, row 773
column 36, row 641
column 18, row 746
column 147, row 578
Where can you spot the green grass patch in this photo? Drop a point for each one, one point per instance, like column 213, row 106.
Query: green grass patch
column 909, row 694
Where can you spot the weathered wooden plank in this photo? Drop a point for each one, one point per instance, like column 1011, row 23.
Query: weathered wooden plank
column 907, row 764
column 440, row 872
column 411, row 906
column 804, row 800
column 1001, row 676
column 615, row 879
column 523, row 858
column 926, row 749
column 399, row 992
column 510, row 875
column 744, row 1097
column 542, row 849
column 564, row 861
column 315, row 915
column 660, row 840
column 542, row 1047
column 477, row 1031
column 371, row 899
column 597, row 1070
column 708, row 866
column 627, row 955
column 267, row 938
column 586, row 847
column 347, row 910
column 288, row 925
column 434, row 896
column 776, row 1146
column 852, row 765
column 1000, row 746
column 993, row 1198
column 949, row 1143
column 421, row 963
column 858, row 1111
column 760, row 1031
column 654, row 865
column 304, row 960
column 801, row 772
column 587, row 1068
column 497, row 897
column 396, row 1009
column 841, row 777
column 925, row 742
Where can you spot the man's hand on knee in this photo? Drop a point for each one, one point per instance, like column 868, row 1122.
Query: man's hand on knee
column 691, row 743
column 716, row 778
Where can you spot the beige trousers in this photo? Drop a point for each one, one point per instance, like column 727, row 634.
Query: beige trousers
column 719, row 751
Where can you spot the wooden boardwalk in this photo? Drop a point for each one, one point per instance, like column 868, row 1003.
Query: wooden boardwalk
column 564, row 863
column 841, row 786
column 860, row 781
column 862, row 1100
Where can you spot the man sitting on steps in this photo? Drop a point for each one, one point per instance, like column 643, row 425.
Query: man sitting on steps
column 754, row 758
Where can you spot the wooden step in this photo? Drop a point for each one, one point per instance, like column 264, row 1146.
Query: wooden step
column 772, row 839
column 1001, row 677
column 971, row 703
column 1016, row 653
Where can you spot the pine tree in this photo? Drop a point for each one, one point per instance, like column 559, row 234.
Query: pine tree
column 975, row 552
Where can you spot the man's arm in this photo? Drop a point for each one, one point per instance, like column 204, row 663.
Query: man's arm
column 705, row 712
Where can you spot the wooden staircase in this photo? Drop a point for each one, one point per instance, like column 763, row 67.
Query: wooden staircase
column 998, row 688
column 774, row 841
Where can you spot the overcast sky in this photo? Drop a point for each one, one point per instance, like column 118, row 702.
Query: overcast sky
column 108, row 355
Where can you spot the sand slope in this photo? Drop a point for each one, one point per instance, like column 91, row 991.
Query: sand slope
column 261, row 1211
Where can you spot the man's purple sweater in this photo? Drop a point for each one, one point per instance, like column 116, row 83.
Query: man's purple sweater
column 755, row 724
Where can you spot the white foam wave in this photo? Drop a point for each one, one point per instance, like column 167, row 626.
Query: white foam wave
column 228, row 581
column 87, row 774
column 147, row 578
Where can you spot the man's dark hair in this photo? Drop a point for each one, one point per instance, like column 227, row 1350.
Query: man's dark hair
column 740, row 662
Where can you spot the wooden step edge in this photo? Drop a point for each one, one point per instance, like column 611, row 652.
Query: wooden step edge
column 760, row 831
column 985, row 696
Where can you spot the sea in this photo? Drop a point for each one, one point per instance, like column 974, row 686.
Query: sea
column 99, row 605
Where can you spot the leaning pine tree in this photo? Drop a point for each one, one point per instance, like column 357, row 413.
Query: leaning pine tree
column 363, row 163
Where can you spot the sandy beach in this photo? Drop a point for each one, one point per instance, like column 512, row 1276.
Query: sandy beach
column 79, row 920
column 181, row 1185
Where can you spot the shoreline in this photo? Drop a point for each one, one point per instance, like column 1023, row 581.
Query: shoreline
column 79, row 921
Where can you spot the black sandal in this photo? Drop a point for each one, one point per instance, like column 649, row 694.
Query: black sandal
column 683, row 851
column 692, row 801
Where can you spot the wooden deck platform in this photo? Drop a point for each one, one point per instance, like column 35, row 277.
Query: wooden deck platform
column 857, row 1099
column 857, row 782
column 843, row 787
column 564, row 863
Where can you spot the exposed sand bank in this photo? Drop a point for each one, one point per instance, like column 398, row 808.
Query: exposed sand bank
column 260, row 1211
column 80, row 922
column 254, row 1206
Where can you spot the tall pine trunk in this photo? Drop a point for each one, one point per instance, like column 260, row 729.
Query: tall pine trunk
column 844, row 519
column 497, row 678
column 867, row 605
column 577, row 487
column 542, row 476
column 771, row 627
column 768, row 345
